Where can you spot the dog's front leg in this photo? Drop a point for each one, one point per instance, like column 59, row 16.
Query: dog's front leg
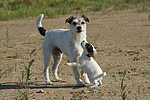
column 76, row 74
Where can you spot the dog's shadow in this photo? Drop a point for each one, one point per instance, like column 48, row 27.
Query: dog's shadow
column 32, row 85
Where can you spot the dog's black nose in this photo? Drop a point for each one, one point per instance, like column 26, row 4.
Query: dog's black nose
column 79, row 28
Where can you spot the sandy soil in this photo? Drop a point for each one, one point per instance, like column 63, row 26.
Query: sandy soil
column 122, row 40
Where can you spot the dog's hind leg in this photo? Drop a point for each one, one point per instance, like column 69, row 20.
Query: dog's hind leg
column 46, row 58
column 57, row 55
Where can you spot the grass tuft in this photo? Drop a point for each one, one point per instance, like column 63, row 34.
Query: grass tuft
column 24, row 95
column 123, row 87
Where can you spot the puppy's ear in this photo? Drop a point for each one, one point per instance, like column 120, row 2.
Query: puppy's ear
column 85, row 18
column 69, row 20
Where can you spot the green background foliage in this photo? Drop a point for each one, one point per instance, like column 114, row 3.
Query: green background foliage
column 11, row 9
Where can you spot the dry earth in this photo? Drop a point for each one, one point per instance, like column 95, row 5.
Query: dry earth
column 123, row 43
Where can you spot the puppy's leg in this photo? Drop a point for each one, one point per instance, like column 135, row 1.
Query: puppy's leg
column 46, row 58
column 85, row 77
column 57, row 55
column 74, row 64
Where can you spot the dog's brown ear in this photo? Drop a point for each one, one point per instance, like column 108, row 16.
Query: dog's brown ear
column 85, row 18
column 69, row 20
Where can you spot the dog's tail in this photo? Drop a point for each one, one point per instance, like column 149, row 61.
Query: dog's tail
column 39, row 24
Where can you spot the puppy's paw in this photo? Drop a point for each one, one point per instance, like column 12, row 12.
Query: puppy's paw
column 93, row 86
column 87, row 81
column 69, row 64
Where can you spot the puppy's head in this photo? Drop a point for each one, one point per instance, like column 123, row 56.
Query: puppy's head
column 77, row 24
column 88, row 48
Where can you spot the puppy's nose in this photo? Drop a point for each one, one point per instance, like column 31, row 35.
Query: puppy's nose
column 79, row 28
column 82, row 42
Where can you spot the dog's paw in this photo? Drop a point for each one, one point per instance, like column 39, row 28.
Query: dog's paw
column 48, row 82
column 60, row 80
column 80, row 83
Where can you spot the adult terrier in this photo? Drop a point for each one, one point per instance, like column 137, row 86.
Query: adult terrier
column 89, row 65
column 59, row 41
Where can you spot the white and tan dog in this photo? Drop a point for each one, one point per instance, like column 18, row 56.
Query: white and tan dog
column 89, row 65
column 59, row 41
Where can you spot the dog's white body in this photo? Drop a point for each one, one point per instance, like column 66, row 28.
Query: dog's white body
column 90, row 66
column 59, row 41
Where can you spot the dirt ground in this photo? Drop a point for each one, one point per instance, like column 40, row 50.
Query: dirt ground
column 123, row 43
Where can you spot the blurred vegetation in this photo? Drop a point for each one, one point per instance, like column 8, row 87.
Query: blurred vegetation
column 11, row 9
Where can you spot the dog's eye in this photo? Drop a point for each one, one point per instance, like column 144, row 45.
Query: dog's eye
column 74, row 23
column 82, row 23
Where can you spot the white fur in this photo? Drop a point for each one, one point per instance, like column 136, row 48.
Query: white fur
column 59, row 41
column 39, row 20
column 90, row 66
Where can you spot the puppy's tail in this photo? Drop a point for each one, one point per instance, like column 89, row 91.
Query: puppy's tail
column 101, row 75
column 39, row 24
column 104, row 74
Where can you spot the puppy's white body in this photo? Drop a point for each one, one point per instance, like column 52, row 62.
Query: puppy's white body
column 59, row 41
column 90, row 66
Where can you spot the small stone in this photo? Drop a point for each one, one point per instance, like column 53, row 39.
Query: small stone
column 142, row 49
column 133, row 69
column 41, row 91
column 113, row 75
column 120, row 50
column 136, row 59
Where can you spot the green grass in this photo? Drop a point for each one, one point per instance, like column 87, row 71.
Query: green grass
column 6, row 71
column 124, row 95
column 11, row 9
column 24, row 94
column 123, row 87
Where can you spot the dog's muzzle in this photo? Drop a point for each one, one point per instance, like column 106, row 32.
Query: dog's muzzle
column 79, row 29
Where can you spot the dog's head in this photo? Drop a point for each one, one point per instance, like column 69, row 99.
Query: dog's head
column 88, row 48
column 77, row 24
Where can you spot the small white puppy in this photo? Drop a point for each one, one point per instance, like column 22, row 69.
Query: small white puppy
column 89, row 65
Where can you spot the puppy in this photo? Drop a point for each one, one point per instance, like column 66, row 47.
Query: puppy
column 89, row 65
column 59, row 41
